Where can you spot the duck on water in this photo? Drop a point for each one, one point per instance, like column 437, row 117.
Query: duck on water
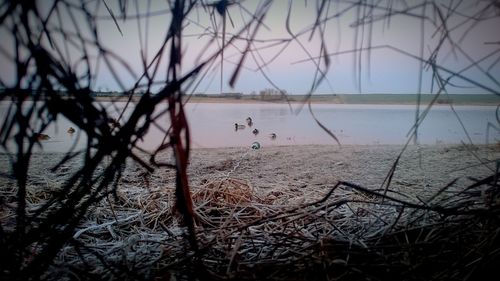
column 238, row 127
column 40, row 136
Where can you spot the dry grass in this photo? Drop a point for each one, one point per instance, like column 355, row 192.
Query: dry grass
column 344, row 232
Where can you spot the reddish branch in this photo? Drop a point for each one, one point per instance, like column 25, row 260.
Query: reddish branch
column 181, row 153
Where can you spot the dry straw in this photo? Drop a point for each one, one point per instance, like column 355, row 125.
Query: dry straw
column 348, row 232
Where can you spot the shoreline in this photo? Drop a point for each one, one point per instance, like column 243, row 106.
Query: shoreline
column 235, row 187
column 366, row 99
column 227, row 150
column 298, row 164
column 292, row 175
column 269, row 171
column 348, row 99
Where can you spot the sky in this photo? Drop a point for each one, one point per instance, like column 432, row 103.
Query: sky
column 287, row 61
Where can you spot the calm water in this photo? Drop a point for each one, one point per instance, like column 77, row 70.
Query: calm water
column 212, row 125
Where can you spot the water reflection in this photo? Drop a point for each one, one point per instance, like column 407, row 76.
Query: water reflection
column 269, row 113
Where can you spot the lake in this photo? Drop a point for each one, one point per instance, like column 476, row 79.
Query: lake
column 213, row 125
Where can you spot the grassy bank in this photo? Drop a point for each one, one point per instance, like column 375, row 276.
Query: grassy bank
column 469, row 99
column 410, row 99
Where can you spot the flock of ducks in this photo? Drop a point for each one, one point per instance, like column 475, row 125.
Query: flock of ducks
column 43, row 137
column 113, row 123
column 255, row 131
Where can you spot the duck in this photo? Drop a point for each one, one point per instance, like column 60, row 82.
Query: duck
column 41, row 136
column 249, row 122
column 238, row 127
column 255, row 131
column 71, row 130
column 273, row 136
column 255, row 145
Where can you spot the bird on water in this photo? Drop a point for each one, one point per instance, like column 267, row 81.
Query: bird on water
column 41, row 136
column 238, row 127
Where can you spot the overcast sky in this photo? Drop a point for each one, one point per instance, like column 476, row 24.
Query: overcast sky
column 287, row 62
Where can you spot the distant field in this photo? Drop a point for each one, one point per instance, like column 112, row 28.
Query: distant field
column 479, row 99
column 468, row 99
